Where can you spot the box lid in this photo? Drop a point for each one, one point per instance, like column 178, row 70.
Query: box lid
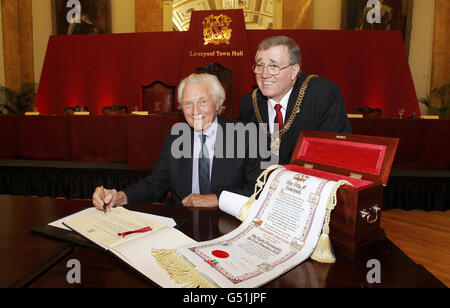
column 366, row 157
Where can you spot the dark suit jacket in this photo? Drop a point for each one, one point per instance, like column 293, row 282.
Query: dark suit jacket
column 323, row 109
column 169, row 173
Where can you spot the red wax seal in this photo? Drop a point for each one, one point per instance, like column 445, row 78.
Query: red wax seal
column 220, row 254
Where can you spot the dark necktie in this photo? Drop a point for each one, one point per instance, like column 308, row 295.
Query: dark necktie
column 203, row 168
column 278, row 117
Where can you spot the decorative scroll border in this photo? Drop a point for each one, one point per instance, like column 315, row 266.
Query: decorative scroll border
column 265, row 266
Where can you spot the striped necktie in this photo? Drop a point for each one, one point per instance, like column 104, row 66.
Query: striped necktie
column 203, row 168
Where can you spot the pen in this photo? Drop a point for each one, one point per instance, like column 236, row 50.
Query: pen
column 103, row 199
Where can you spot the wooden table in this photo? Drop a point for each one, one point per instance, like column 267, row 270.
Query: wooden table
column 33, row 260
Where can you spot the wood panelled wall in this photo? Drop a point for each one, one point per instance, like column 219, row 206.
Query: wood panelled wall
column 297, row 14
column 17, row 27
column 149, row 15
column 440, row 70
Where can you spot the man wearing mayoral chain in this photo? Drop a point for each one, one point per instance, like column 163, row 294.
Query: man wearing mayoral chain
column 288, row 100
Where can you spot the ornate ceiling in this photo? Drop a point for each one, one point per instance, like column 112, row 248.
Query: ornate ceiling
column 258, row 14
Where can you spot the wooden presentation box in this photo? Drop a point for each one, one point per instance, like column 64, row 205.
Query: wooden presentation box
column 365, row 162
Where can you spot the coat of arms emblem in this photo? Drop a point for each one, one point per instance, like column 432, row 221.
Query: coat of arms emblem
column 216, row 29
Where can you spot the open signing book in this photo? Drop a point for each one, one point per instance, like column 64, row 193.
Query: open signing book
column 280, row 230
column 130, row 236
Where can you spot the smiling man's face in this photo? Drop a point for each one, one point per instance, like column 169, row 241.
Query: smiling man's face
column 276, row 86
column 198, row 104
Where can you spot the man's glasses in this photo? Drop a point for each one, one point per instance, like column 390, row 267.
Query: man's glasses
column 272, row 69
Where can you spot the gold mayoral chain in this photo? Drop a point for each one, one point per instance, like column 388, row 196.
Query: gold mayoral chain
column 275, row 139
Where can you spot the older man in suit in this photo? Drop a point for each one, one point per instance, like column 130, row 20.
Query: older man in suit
column 290, row 101
column 198, row 178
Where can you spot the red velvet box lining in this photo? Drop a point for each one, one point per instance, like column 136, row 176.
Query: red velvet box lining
column 356, row 156
column 357, row 183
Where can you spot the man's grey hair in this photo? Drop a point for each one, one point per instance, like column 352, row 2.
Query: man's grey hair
column 294, row 53
column 215, row 88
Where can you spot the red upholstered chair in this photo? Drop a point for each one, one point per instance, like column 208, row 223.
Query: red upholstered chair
column 158, row 97
column 73, row 109
column 224, row 74
column 370, row 113
column 114, row 110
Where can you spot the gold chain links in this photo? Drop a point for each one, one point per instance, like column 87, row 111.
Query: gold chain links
column 298, row 103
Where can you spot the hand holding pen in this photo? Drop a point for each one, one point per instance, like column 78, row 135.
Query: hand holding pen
column 105, row 199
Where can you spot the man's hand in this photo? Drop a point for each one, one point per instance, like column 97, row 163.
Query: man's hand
column 113, row 198
column 196, row 200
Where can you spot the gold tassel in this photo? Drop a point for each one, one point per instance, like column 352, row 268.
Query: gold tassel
column 245, row 209
column 181, row 271
column 323, row 251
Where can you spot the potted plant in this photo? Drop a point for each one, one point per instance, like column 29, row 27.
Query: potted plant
column 443, row 93
column 18, row 102
column 443, row 109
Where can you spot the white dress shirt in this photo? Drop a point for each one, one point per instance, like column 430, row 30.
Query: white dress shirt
column 210, row 133
column 271, row 109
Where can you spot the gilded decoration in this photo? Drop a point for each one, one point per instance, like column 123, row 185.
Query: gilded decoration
column 258, row 14
column 217, row 30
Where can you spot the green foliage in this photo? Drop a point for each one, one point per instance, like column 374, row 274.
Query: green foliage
column 425, row 101
column 18, row 102
column 443, row 94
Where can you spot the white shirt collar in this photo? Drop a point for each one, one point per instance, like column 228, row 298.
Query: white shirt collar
column 210, row 132
column 210, row 141
column 271, row 108
column 284, row 101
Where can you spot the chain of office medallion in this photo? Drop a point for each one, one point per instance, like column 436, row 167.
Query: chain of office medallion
column 298, row 103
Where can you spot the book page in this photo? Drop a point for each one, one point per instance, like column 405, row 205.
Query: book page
column 137, row 254
column 92, row 210
column 103, row 229
column 280, row 232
